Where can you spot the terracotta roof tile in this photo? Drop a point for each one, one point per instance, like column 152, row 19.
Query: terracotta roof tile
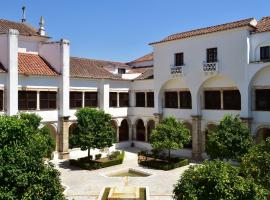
column 148, row 57
column 23, row 28
column 263, row 25
column 147, row 74
column 89, row 68
column 33, row 64
column 211, row 29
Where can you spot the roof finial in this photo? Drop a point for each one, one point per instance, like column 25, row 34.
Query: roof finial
column 23, row 14
column 41, row 29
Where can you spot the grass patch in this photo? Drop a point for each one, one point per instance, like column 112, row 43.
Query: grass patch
column 116, row 158
column 160, row 162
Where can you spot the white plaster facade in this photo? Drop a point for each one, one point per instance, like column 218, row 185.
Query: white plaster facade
column 238, row 50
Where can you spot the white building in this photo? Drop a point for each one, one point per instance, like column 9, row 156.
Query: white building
column 196, row 76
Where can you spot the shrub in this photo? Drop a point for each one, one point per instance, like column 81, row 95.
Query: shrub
column 170, row 134
column 98, row 156
column 230, row 140
column 164, row 165
column 256, row 164
column 216, row 180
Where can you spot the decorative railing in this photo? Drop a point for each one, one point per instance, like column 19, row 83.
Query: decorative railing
column 177, row 70
column 210, row 67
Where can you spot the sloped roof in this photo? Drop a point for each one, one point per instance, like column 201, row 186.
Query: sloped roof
column 210, row 29
column 90, row 68
column 147, row 74
column 263, row 25
column 33, row 64
column 23, row 28
column 145, row 58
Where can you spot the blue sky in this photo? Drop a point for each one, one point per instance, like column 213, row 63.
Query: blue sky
column 120, row 30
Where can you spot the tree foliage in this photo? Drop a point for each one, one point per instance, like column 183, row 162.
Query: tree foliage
column 230, row 140
column 23, row 172
column 216, row 180
column 94, row 129
column 256, row 164
column 170, row 134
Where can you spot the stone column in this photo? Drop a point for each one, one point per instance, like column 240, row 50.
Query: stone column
column 63, row 137
column 130, row 132
column 196, row 137
column 117, row 133
column 146, row 133
column 158, row 118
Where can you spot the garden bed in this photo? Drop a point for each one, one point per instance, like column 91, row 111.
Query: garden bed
column 159, row 162
column 115, row 158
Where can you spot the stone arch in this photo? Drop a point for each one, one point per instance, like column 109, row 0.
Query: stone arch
column 262, row 134
column 53, row 132
column 150, row 126
column 140, row 130
column 124, row 131
column 188, row 125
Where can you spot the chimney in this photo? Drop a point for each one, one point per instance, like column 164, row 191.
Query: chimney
column 23, row 14
column 41, row 29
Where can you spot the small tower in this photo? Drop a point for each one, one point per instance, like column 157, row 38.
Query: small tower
column 23, row 14
column 41, row 29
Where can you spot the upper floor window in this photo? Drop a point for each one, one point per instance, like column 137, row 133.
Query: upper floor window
column 150, row 99
column 212, row 100
column 121, row 71
column 171, row 100
column 75, row 99
column 211, row 55
column 265, row 53
column 231, row 100
column 262, row 99
column 1, row 100
column 179, row 59
column 123, row 99
column 27, row 100
column 91, row 99
column 48, row 100
column 185, row 100
column 113, row 99
column 140, row 99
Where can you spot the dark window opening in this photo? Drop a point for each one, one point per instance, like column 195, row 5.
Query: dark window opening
column 211, row 55
column 185, row 100
column 231, row 100
column 140, row 99
column 48, row 100
column 113, row 99
column 171, row 100
column 124, row 99
column 265, row 53
column 75, row 100
column 1, row 100
column 121, row 71
column 91, row 99
column 150, row 99
column 212, row 100
column 262, row 99
column 27, row 100
column 179, row 59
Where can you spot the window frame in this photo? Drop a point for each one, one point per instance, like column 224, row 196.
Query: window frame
column 71, row 106
column 112, row 101
column 266, row 100
column 209, row 106
column 140, row 102
column 184, row 105
column 93, row 102
column 179, row 59
column 121, row 71
column 237, row 102
column 27, row 100
column 122, row 101
column 212, row 55
column 2, row 100
column 150, row 99
column 263, row 56
column 169, row 104
column 49, row 99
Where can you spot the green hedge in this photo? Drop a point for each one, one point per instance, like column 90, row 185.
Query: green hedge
column 161, row 163
column 93, row 164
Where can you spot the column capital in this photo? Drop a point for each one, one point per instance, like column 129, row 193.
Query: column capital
column 13, row 32
column 196, row 116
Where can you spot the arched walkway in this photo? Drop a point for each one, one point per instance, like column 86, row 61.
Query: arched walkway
column 189, row 127
column 124, row 131
column 262, row 134
column 53, row 133
column 71, row 132
column 140, row 130
column 150, row 127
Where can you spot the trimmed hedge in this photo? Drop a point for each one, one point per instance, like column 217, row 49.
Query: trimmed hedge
column 95, row 164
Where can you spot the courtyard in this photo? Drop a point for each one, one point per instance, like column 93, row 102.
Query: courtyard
column 85, row 185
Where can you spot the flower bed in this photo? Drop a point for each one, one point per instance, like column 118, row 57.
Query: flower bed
column 160, row 162
column 115, row 158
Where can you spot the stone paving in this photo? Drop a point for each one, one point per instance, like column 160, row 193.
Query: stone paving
column 86, row 185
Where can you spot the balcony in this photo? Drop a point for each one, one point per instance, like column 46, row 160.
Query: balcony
column 177, row 71
column 210, row 67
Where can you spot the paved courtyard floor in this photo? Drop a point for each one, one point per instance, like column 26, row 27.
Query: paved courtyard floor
column 86, row 185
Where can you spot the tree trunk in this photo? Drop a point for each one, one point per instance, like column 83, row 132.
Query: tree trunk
column 88, row 153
